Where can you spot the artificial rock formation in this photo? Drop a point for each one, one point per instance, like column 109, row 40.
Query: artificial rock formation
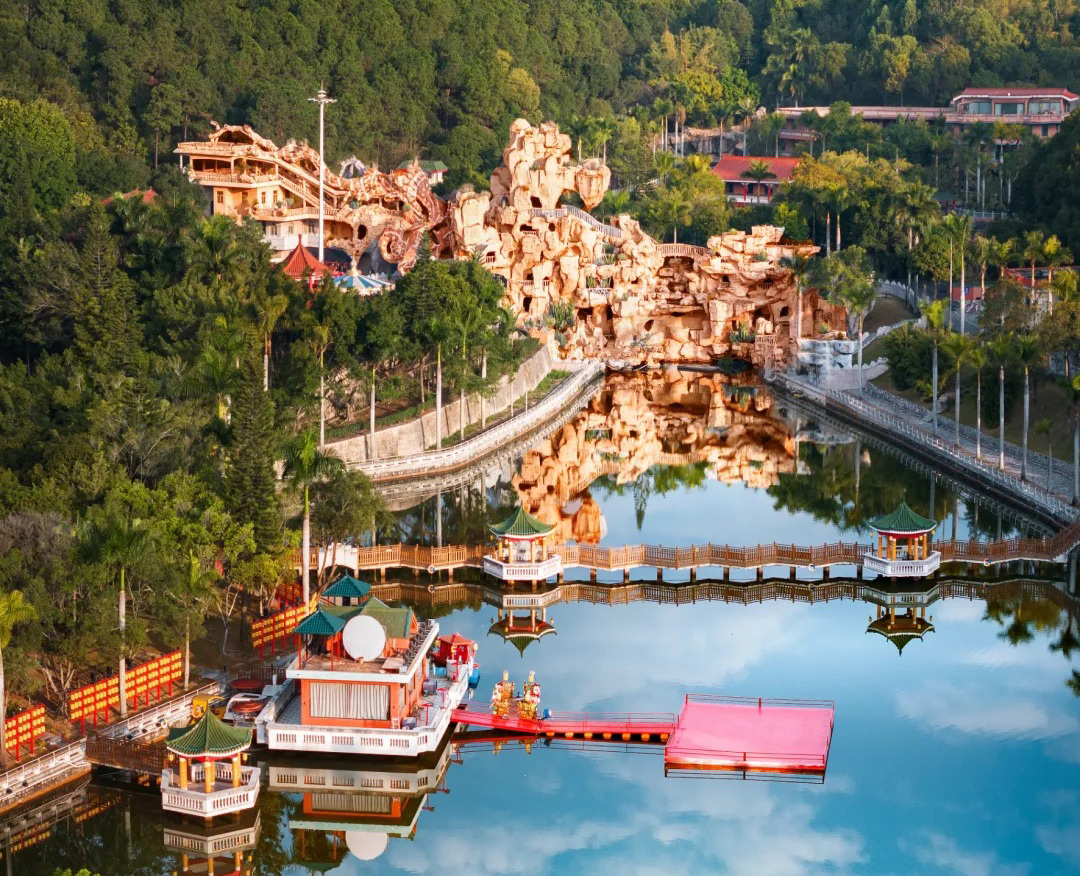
column 644, row 419
column 633, row 299
column 602, row 289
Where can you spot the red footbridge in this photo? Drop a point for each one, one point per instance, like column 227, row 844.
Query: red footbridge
column 711, row 733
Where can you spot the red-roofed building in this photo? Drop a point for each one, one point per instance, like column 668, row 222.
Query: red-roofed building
column 743, row 189
column 300, row 262
column 147, row 196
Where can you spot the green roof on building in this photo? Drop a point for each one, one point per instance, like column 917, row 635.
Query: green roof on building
column 900, row 637
column 209, row 737
column 348, row 587
column 434, row 166
column 903, row 519
column 396, row 621
column 521, row 524
column 320, row 623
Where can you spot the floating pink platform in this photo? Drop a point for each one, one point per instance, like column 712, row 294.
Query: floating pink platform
column 760, row 735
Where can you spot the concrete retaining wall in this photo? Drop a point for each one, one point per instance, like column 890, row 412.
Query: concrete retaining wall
column 418, row 435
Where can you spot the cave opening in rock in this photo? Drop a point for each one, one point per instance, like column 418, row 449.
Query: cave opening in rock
column 535, row 201
column 526, row 303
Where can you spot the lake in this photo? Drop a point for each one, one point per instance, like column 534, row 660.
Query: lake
column 954, row 753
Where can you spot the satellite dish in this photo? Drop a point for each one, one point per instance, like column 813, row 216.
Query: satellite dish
column 364, row 845
column 364, row 638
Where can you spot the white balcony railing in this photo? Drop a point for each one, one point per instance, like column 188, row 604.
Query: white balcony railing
column 902, row 568
column 523, row 571
column 224, row 799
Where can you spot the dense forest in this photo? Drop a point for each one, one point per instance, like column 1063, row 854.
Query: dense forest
column 445, row 78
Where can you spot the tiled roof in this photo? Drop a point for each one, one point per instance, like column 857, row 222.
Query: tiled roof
column 320, row 623
column 903, row 519
column 348, row 587
column 1019, row 91
column 732, row 167
column 901, row 635
column 211, row 736
column 521, row 524
column 396, row 621
column 300, row 262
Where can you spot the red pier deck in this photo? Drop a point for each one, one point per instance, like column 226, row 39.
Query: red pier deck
column 717, row 733
column 743, row 733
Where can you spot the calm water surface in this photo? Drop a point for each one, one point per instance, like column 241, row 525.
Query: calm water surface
column 959, row 756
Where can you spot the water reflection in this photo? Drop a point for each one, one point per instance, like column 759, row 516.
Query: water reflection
column 647, row 437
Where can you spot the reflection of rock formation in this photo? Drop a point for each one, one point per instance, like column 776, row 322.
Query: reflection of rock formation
column 645, row 419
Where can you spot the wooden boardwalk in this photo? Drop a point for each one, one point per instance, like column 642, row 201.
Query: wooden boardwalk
column 1054, row 549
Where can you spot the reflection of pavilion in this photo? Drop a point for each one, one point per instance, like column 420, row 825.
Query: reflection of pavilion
column 214, row 850
column 521, row 553
column 355, row 806
column 901, row 614
column 521, row 626
column 913, row 558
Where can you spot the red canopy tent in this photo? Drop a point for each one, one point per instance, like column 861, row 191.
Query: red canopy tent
column 454, row 647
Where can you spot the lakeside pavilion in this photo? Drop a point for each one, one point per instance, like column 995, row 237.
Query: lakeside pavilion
column 521, row 550
column 210, row 779
column 903, row 547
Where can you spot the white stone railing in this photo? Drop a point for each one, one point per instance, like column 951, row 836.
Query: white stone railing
column 523, row 571
column 583, row 217
column 486, row 442
column 902, row 568
column 174, row 712
column 47, row 771
column 195, row 801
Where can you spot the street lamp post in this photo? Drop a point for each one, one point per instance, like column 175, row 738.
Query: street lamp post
column 322, row 100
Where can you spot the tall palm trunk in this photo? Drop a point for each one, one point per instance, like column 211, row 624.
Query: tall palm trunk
column 838, row 231
column 322, row 404
column 483, row 397
column 266, row 363
column 1001, row 417
column 1076, row 459
column 305, row 547
column 123, row 660
column 1027, row 410
column 978, row 414
column 860, row 354
column 933, row 388
column 963, row 290
column 374, row 452
column 828, row 229
column 798, row 318
column 956, row 405
column 461, row 412
column 187, row 652
column 438, row 396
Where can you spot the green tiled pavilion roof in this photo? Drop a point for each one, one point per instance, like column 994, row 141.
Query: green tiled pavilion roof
column 348, row 587
column 209, row 737
column 903, row 519
column 396, row 621
column 521, row 524
column 900, row 637
column 320, row 623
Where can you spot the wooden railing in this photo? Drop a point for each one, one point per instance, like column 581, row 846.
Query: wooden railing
column 126, row 754
column 425, row 557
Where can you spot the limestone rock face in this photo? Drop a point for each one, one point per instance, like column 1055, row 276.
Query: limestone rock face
column 641, row 420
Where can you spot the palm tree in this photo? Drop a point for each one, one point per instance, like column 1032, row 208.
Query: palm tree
column 800, row 267
column 665, row 163
column 747, row 108
column 1034, row 243
column 269, row 310
column 757, row 171
column 320, row 341
column 119, row 542
column 935, row 323
column 14, row 609
column 917, row 213
column 673, row 210
column 305, row 463
column 1054, row 254
column 982, row 251
column 977, row 359
column 1027, row 352
column 1002, row 352
column 858, row 296
column 956, row 345
column 958, row 226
